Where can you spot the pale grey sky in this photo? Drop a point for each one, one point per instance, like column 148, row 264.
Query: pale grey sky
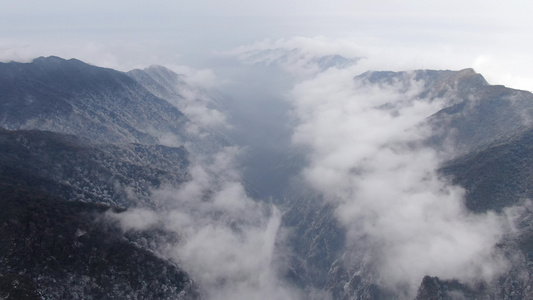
column 494, row 37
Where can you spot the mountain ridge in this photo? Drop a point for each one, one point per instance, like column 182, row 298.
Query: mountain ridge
column 51, row 147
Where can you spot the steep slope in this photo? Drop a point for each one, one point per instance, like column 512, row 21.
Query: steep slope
column 65, row 165
column 492, row 113
column 161, row 82
column 61, row 250
column 95, row 141
column 474, row 115
column 480, row 114
column 72, row 97
column 498, row 175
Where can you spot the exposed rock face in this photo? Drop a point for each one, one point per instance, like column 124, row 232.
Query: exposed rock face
column 485, row 130
column 65, row 165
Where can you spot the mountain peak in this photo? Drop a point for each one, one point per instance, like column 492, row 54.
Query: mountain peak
column 470, row 75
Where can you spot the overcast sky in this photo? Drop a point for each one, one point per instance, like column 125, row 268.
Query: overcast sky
column 492, row 36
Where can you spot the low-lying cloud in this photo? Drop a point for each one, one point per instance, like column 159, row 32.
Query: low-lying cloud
column 228, row 243
column 366, row 156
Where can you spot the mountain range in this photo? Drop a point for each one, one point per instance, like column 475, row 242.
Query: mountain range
column 79, row 143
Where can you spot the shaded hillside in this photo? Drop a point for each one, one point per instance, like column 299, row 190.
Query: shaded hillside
column 70, row 96
column 60, row 250
column 160, row 81
column 496, row 176
column 481, row 116
column 475, row 113
column 205, row 130
column 67, row 166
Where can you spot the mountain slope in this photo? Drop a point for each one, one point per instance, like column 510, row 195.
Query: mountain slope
column 65, row 165
column 498, row 175
column 79, row 140
column 205, row 129
column 69, row 96
column 67, row 253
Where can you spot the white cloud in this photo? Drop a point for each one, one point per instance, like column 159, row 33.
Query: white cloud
column 364, row 157
column 509, row 70
column 136, row 219
column 228, row 242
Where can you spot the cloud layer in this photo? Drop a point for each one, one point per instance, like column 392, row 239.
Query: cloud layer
column 366, row 157
column 228, row 243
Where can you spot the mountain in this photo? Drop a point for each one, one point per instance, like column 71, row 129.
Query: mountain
column 475, row 113
column 79, row 141
column 205, row 129
column 72, row 97
column 483, row 114
column 482, row 134
column 82, row 146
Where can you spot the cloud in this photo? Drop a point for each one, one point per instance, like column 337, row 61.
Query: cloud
column 229, row 243
column 189, row 89
column 365, row 156
column 419, row 33
column 136, row 219
column 316, row 46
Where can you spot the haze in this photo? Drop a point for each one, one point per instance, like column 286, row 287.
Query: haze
column 490, row 36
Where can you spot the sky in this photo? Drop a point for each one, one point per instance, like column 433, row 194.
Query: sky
column 490, row 36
